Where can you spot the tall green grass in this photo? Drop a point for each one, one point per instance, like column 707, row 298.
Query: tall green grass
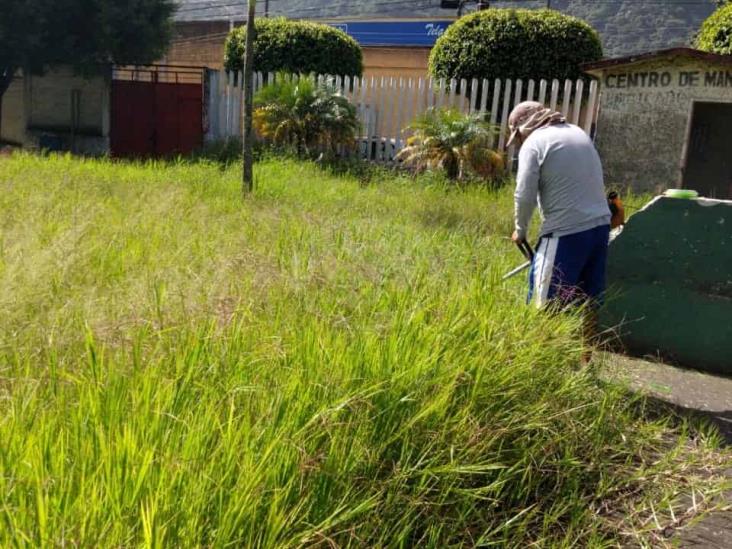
column 325, row 364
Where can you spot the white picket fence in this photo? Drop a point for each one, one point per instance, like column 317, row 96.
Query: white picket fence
column 387, row 105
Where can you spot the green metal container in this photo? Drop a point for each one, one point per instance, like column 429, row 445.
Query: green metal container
column 670, row 283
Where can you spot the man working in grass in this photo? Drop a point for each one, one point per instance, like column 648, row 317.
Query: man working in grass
column 559, row 168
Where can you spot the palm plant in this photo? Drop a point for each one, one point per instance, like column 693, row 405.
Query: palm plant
column 304, row 115
column 455, row 142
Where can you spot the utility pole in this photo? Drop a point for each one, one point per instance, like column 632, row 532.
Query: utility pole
column 266, row 8
column 247, row 171
column 548, row 4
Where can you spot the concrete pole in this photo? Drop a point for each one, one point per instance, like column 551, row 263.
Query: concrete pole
column 248, row 137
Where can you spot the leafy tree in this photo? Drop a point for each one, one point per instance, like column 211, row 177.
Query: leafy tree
column 508, row 43
column 715, row 34
column 297, row 47
column 38, row 34
column 455, row 142
column 305, row 116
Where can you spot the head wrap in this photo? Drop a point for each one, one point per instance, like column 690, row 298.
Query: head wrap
column 528, row 117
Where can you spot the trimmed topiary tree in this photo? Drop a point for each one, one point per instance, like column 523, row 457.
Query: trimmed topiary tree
column 515, row 43
column 715, row 34
column 296, row 47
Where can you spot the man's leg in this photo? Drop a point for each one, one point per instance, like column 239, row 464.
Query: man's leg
column 592, row 282
column 556, row 270
column 563, row 270
column 592, row 277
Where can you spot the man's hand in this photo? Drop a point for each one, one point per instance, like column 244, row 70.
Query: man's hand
column 515, row 237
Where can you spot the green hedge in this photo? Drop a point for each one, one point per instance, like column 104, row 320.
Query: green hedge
column 515, row 43
column 716, row 32
column 296, row 47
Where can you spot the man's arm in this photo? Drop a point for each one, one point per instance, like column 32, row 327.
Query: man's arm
column 527, row 189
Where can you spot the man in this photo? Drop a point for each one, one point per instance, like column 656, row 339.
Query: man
column 559, row 167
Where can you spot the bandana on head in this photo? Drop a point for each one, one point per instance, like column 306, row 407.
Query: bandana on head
column 529, row 116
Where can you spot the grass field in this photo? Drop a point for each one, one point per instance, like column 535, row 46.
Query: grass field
column 326, row 364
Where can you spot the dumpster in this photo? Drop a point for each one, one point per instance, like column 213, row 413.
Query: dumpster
column 670, row 283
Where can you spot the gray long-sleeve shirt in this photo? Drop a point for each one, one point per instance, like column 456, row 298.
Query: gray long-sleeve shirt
column 559, row 165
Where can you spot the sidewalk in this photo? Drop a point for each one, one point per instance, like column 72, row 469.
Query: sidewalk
column 696, row 393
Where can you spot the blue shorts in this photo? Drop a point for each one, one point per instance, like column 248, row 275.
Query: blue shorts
column 570, row 269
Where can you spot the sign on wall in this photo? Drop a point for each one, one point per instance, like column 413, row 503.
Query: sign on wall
column 394, row 33
column 666, row 79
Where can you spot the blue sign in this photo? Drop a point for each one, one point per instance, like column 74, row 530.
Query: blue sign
column 394, row 33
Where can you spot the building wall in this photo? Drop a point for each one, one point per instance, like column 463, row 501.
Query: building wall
column 644, row 118
column 50, row 100
column 37, row 112
column 13, row 113
column 399, row 62
column 198, row 44
column 202, row 45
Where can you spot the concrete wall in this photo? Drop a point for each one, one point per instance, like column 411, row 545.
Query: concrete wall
column 644, row 117
column 37, row 112
column 13, row 113
column 50, row 102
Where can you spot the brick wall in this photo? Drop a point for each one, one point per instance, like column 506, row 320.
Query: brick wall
column 400, row 62
column 198, row 44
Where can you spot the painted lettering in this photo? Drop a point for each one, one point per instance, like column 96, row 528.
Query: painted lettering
column 688, row 79
column 630, row 80
column 434, row 30
column 718, row 79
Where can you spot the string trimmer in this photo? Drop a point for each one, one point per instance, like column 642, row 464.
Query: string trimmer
column 528, row 253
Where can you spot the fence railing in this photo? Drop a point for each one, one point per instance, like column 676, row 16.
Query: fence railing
column 386, row 106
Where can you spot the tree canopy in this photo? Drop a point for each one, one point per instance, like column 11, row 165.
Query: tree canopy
column 38, row 34
column 508, row 43
column 296, row 47
column 716, row 32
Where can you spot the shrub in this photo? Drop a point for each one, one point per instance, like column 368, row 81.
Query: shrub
column 296, row 47
column 455, row 142
column 302, row 115
column 515, row 43
column 715, row 34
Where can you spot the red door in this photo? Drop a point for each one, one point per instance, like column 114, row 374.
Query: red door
column 154, row 117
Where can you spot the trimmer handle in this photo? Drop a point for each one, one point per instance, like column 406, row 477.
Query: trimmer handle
column 526, row 249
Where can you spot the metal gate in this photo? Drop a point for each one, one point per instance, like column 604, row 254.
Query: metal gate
column 157, row 111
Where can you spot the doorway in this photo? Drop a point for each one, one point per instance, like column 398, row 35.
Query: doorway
column 708, row 166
